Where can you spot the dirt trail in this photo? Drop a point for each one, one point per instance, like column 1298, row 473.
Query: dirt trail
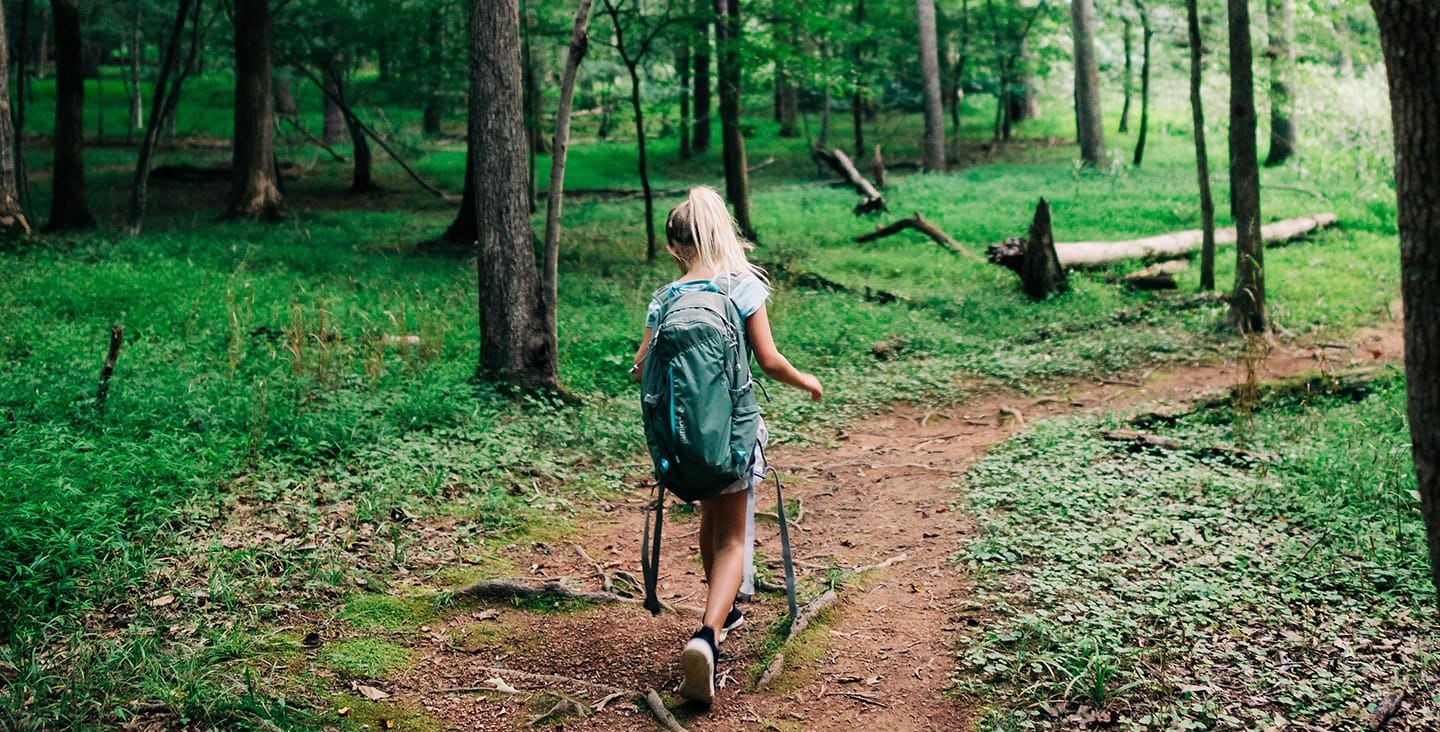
column 884, row 490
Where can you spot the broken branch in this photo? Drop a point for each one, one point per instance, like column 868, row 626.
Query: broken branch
column 918, row 223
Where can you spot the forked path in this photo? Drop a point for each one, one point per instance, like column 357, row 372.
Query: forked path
column 885, row 490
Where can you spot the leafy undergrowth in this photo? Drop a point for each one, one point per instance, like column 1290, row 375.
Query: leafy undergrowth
column 1192, row 589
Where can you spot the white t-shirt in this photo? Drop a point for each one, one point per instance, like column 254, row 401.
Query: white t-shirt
column 747, row 291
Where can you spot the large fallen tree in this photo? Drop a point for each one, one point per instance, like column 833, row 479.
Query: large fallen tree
column 1094, row 254
column 870, row 198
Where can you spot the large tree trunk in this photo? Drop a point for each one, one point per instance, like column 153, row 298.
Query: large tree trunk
column 255, row 192
column 787, row 107
column 1410, row 37
column 700, row 140
column 1023, row 98
column 930, row 71
column 957, row 82
column 1247, row 302
column 12, row 217
column 1280, row 15
column 162, row 105
column 67, row 206
column 1147, row 34
column 1089, row 125
column 362, row 179
column 857, row 99
column 514, row 345
column 727, row 52
column 462, row 230
column 1202, row 160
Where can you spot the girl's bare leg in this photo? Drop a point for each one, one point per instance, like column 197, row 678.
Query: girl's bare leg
column 722, row 551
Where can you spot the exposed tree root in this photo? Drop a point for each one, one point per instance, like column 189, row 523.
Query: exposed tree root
column 1144, row 439
column 772, row 671
column 507, row 589
column 811, row 609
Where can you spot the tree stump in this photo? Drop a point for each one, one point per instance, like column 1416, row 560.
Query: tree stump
column 1040, row 271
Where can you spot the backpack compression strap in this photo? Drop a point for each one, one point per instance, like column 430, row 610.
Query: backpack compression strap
column 650, row 553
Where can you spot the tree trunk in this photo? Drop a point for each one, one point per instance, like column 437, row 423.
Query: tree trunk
column 737, row 178
column 1280, row 15
column 1247, row 303
column 682, row 67
column 514, row 346
column 12, row 217
column 787, row 107
column 1410, row 37
column 431, row 117
column 137, row 48
column 462, row 230
column 362, row 180
column 67, row 205
column 255, row 192
column 930, row 71
column 1129, row 81
column 162, row 105
column 700, row 141
column 957, row 83
column 1147, row 34
column 1023, row 97
column 22, row 98
column 1090, row 126
column 334, row 119
column 1040, row 271
column 1202, row 160
column 534, row 110
column 857, row 101
column 550, row 273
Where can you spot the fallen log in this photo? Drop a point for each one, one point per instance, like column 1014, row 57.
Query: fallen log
column 1158, row 276
column 1145, row 439
column 1177, row 245
column 918, row 223
column 508, row 589
column 870, row 199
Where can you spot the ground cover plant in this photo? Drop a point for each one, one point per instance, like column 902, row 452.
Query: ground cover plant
column 1143, row 588
column 276, row 454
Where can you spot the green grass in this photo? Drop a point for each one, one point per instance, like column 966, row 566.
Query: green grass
column 1175, row 590
column 255, row 396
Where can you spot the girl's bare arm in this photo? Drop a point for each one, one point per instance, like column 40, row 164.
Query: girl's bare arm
column 775, row 365
column 637, row 369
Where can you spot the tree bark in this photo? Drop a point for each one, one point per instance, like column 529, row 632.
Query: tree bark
column 362, row 180
column 1280, row 15
column 68, row 210
column 22, row 98
column 255, row 191
column 682, row 67
column 332, row 117
column 700, row 141
column 737, row 178
column 12, row 216
column 136, row 49
column 514, row 346
column 930, row 71
column 1247, row 302
column 550, row 274
column 162, row 104
column 1040, row 270
column 1147, row 33
column 1090, row 126
column 1202, row 160
column 787, row 107
column 1129, row 82
column 1410, row 37
column 857, row 99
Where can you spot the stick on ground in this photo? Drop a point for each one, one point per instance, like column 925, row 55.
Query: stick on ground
column 117, row 337
column 918, row 223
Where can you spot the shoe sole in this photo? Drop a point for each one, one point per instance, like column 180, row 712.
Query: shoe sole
column 726, row 630
column 699, row 665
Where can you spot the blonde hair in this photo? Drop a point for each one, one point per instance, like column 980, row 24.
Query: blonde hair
column 703, row 231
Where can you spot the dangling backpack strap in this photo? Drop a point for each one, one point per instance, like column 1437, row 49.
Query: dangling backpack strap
column 785, row 549
column 650, row 553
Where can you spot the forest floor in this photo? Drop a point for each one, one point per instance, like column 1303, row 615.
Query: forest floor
column 882, row 658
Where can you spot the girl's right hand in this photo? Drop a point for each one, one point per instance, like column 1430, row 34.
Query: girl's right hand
column 809, row 383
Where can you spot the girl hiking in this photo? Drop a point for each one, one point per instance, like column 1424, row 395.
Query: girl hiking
column 702, row 240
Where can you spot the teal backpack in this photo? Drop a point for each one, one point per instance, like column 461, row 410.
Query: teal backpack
column 697, row 395
column 702, row 422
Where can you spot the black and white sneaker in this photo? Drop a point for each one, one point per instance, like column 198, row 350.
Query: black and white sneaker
column 698, row 661
column 732, row 621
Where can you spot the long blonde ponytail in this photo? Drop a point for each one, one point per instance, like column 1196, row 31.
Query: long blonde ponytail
column 704, row 226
